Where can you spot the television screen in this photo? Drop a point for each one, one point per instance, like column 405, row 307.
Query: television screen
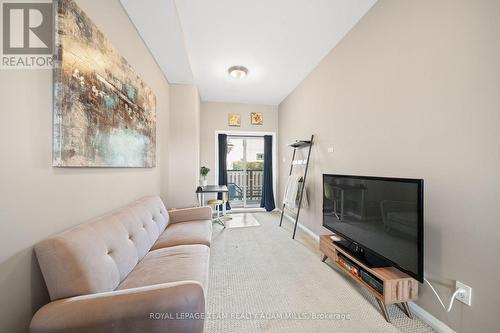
column 384, row 216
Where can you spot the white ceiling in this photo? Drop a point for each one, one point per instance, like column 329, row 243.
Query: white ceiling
column 159, row 26
column 279, row 41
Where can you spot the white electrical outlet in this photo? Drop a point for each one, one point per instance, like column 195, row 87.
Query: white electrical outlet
column 466, row 296
column 330, row 149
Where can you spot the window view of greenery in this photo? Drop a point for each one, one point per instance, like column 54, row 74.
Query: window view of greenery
column 254, row 165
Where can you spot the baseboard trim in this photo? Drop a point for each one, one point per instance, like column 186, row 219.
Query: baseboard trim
column 425, row 316
column 303, row 228
column 429, row 319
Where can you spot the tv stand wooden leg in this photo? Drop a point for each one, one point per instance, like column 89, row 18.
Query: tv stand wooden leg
column 406, row 309
column 383, row 309
column 324, row 258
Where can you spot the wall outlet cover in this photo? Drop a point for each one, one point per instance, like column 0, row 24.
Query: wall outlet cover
column 466, row 296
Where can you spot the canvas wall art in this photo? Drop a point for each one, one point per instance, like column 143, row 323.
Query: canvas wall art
column 257, row 118
column 234, row 119
column 104, row 113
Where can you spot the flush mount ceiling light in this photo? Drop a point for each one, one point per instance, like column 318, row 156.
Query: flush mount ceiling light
column 238, row 72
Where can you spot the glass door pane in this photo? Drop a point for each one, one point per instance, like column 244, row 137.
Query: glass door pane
column 235, row 171
column 254, row 170
column 245, row 165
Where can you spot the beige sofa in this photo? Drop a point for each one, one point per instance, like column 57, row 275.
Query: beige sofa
column 137, row 269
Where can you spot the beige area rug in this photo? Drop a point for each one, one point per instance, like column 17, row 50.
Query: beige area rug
column 263, row 281
column 241, row 220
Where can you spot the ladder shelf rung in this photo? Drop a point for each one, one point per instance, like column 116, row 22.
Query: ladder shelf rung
column 298, row 162
column 300, row 144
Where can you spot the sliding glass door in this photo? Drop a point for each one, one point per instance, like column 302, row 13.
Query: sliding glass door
column 245, row 170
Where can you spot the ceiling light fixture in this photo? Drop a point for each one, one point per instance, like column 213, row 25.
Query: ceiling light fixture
column 238, row 72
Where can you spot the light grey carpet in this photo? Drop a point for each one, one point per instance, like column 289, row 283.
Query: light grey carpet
column 263, row 281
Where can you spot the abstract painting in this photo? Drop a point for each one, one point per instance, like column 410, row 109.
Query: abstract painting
column 104, row 113
column 234, row 119
column 257, row 118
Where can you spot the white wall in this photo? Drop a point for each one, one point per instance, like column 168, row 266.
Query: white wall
column 37, row 200
column 214, row 117
column 413, row 91
column 184, row 145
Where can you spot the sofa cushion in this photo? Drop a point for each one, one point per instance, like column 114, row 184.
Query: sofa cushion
column 177, row 263
column 184, row 233
column 95, row 257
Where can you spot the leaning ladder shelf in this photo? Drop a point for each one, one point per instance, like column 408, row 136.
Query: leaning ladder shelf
column 299, row 144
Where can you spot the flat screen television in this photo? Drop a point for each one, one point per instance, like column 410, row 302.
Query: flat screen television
column 380, row 219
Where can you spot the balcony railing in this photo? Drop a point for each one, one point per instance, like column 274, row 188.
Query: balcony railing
column 237, row 179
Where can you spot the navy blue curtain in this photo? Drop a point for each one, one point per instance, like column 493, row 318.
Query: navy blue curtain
column 267, row 200
column 223, row 164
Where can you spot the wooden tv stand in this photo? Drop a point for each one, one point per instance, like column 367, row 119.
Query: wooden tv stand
column 398, row 287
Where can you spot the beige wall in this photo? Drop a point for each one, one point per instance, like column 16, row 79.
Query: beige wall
column 184, row 145
column 37, row 200
column 414, row 91
column 214, row 118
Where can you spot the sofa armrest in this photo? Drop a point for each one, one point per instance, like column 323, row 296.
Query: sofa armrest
column 190, row 214
column 166, row 307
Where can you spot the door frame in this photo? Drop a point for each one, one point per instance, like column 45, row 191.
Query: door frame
column 247, row 133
